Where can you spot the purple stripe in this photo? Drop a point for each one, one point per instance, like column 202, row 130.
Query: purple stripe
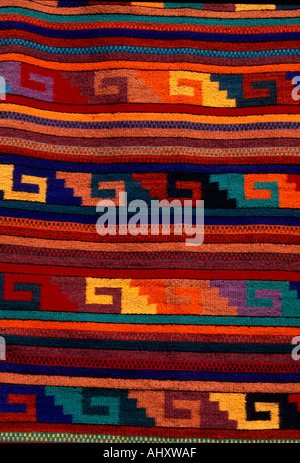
column 219, row 6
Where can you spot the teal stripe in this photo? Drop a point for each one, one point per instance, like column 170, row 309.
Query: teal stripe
column 250, row 212
column 51, row 208
column 148, row 50
column 91, row 211
column 196, row 6
column 151, row 19
column 150, row 319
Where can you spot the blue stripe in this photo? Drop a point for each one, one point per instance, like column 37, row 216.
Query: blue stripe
column 151, row 374
column 147, row 167
column 86, row 219
column 168, row 35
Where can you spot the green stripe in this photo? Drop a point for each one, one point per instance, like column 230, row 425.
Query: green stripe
column 151, row 19
column 150, row 319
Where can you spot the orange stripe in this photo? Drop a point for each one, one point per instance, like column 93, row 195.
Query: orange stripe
column 135, row 247
column 209, row 229
column 144, row 10
column 137, row 328
column 149, row 385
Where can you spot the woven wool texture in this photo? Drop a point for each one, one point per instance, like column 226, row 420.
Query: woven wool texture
column 123, row 338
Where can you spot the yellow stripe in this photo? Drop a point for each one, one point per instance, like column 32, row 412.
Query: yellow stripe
column 148, row 4
column 254, row 7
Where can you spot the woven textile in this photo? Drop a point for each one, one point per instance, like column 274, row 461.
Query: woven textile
column 143, row 338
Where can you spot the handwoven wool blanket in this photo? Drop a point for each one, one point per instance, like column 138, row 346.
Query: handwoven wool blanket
column 112, row 328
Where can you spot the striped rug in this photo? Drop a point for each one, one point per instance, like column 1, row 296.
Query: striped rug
column 142, row 338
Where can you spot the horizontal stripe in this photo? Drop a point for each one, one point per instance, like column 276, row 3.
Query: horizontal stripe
column 151, row 41
column 89, row 353
column 146, row 318
column 153, row 341
column 151, row 374
column 215, row 386
column 60, row 337
column 240, row 141
column 128, row 328
column 277, row 53
column 124, row 133
column 213, row 216
column 63, row 360
column 90, row 18
column 150, row 273
column 21, row 437
column 156, row 10
column 234, row 118
column 153, row 167
column 23, row 104
column 105, row 22
column 148, row 116
column 28, row 210
column 154, row 347
column 110, row 30
column 95, row 434
column 133, row 41
column 287, row 261
column 189, row 155
column 145, row 247
column 162, row 262
column 86, row 229
column 218, row 236
column 182, row 66
column 145, row 124
column 152, row 58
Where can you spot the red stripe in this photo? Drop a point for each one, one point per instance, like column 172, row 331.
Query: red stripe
column 91, row 237
column 171, row 432
column 141, row 364
column 153, row 273
column 153, row 107
column 207, row 256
